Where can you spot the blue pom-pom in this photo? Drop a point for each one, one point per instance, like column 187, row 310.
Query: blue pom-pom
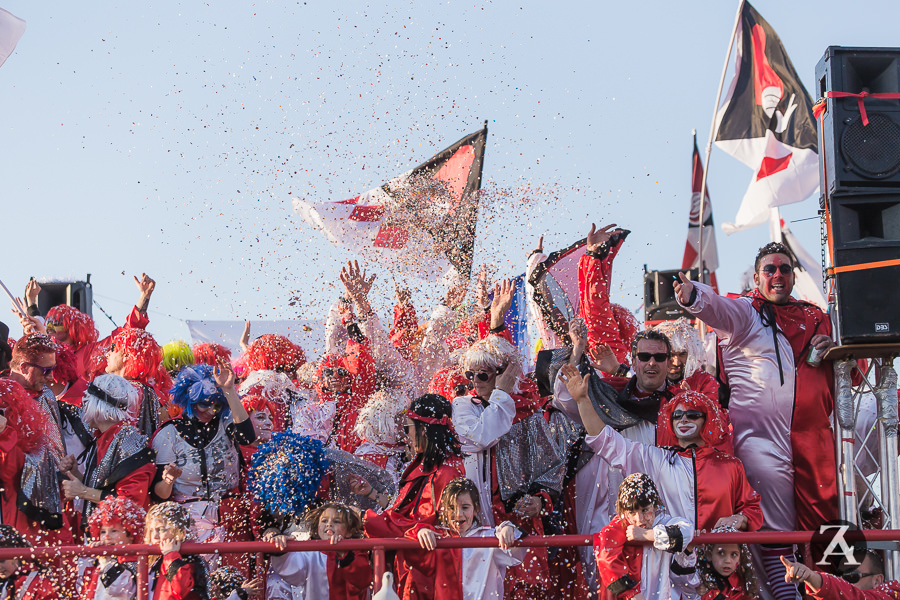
column 286, row 473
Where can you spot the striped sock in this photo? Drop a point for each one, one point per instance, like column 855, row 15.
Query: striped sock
column 775, row 571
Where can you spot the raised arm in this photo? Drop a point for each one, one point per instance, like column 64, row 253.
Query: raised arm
column 594, row 280
column 729, row 316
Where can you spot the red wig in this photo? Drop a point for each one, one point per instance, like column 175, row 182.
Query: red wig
column 333, row 361
column 24, row 415
column 66, row 366
column 78, row 325
column 207, row 354
column 447, row 382
column 271, row 352
column 30, row 347
column 143, row 359
column 120, row 510
column 715, row 428
column 254, row 402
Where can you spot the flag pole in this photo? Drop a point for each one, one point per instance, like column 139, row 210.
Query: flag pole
column 712, row 135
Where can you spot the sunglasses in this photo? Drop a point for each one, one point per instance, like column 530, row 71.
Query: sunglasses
column 46, row 370
column 209, row 406
column 340, row 372
column 854, row 576
column 690, row 415
column 657, row 356
column 482, row 376
column 769, row 270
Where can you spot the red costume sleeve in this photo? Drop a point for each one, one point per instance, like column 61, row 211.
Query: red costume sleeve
column 136, row 485
column 11, row 462
column 136, row 319
column 615, row 566
column 835, row 588
column 181, row 583
column 361, row 365
column 484, row 330
column 747, row 501
column 349, row 577
column 594, row 279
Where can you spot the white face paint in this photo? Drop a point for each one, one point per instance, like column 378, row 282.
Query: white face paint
column 687, row 429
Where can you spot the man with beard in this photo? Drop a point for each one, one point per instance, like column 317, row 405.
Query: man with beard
column 781, row 399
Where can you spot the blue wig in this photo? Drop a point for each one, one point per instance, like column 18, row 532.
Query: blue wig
column 286, row 473
column 196, row 384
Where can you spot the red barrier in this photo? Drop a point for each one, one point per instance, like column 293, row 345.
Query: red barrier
column 379, row 545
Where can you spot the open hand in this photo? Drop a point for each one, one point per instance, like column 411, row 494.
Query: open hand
column 223, row 374
column 596, row 237
column 575, row 383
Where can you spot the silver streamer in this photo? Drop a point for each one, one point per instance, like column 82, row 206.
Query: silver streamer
column 344, row 464
column 528, row 456
column 886, row 393
column 843, row 399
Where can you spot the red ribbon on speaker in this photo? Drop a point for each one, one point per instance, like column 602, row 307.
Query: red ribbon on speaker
column 819, row 107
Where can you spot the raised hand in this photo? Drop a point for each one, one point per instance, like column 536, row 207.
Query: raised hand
column 145, row 285
column 481, row 287
column 245, row 336
column 503, row 297
column 355, row 281
column 683, row 289
column 32, row 289
column 595, row 236
column 603, row 358
column 455, row 295
column 575, row 383
column 223, row 374
column 402, row 294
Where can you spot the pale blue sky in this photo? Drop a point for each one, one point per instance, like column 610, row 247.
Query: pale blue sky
column 169, row 137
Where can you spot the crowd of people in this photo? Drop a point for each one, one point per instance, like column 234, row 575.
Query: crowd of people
column 429, row 430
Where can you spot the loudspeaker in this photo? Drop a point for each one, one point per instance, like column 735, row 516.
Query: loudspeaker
column 78, row 294
column 861, row 181
column 659, row 295
column 858, row 155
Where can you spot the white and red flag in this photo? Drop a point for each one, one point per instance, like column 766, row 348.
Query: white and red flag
column 11, row 30
column 421, row 223
column 766, row 122
column 692, row 258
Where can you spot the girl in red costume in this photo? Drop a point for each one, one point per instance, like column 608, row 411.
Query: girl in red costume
column 437, row 462
column 329, row 575
column 117, row 521
column 173, row 577
column 717, row 571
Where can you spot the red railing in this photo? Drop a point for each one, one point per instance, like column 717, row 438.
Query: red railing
column 378, row 546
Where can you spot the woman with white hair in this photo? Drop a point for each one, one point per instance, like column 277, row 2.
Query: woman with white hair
column 507, row 450
column 118, row 462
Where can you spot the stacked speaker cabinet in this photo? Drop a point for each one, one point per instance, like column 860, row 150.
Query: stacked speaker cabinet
column 78, row 294
column 659, row 295
column 860, row 180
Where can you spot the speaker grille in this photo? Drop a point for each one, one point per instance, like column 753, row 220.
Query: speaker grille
column 873, row 150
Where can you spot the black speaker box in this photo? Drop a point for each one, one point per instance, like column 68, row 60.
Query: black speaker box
column 659, row 295
column 78, row 294
column 858, row 155
column 861, row 179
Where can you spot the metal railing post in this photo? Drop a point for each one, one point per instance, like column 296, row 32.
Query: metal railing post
column 143, row 578
column 378, row 566
column 886, row 393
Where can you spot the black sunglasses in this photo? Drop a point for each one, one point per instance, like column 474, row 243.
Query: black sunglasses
column 203, row 405
column 690, row 415
column 341, row 372
column 482, row 376
column 47, row 370
column 854, row 576
column 770, row 269
column 657, row 356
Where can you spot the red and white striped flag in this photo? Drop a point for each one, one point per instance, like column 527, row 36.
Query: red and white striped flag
column 421, row 223
column 691, row 258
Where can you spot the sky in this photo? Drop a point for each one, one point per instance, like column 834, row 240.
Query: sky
column 169, row 137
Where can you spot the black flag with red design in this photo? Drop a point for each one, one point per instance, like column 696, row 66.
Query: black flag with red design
column 421, row 222
column 766, row 122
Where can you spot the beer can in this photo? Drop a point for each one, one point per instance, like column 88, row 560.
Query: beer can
column 815, row 357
